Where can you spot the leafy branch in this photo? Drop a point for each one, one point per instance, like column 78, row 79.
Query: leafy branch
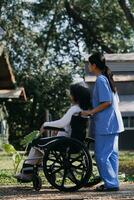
column 16, row 156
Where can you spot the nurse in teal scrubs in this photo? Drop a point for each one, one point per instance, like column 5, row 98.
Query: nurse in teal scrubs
column 107, row 123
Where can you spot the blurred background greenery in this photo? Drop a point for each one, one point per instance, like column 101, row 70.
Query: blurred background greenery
column 46, row 42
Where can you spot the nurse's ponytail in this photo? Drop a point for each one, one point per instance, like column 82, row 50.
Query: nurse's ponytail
column 99, row 60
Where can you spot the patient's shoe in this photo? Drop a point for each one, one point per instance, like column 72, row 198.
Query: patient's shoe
column 23, row 177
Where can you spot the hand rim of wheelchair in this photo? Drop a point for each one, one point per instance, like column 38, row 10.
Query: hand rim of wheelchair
column 67, row 169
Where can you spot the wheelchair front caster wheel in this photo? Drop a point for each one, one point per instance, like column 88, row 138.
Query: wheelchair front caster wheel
column 37, row 183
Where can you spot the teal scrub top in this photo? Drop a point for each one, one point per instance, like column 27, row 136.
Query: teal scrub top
column 108, row 121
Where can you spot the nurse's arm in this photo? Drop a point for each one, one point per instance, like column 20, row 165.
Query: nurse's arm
column 99, row 108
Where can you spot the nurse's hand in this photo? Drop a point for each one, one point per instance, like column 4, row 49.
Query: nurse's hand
column 86, row 113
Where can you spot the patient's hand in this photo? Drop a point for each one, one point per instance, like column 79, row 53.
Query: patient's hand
column 54, row 133
column 42, row 130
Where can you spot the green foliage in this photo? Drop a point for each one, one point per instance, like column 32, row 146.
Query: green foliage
column 28, row 138
column 9, row 149
column 16, row 157
column 46, row 44
column 37, row 65
column 6, row 177
column 108, row 23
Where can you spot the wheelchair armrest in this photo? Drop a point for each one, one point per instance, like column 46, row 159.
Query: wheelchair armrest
column 53, row 128
column 89, row 140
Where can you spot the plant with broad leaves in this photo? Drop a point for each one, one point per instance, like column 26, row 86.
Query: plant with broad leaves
column 28, row 138
column 16, row 156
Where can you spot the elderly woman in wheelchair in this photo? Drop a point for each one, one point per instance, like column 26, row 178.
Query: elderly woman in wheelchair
column 65, row 158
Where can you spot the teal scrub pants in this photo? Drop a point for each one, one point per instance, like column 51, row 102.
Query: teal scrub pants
column 106, row 153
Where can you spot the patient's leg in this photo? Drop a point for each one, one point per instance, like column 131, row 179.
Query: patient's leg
column 35, row 156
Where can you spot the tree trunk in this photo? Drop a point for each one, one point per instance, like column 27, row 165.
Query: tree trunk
column 126, row 9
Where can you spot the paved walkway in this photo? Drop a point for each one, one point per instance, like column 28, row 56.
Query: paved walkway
column 26, row 193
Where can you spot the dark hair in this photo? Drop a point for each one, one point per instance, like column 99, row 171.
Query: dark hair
column 81, row 95
column 99, row 60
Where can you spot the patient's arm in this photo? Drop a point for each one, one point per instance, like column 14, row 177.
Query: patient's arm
column 54, row 130
column 65, row 120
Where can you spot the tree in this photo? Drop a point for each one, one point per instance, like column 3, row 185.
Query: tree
column 46, row 40
column 126, row 7
column 103, row 24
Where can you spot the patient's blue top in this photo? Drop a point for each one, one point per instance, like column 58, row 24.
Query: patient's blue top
column 108, row 121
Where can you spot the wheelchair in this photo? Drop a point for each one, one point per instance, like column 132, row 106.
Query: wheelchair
column 67, row 163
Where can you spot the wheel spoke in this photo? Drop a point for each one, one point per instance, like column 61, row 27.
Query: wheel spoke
column 56, row 156
column 54, row 160
column 76, row 159
column 80, row 166
column 57, row 170
column 73, row 178
column 64, row 177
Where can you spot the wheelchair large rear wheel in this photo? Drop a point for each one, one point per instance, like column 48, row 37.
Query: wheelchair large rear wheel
column 67, row 164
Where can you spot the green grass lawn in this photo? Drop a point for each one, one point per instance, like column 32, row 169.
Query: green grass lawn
column 6, row 168
column 127, row 164
column 7, row 171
